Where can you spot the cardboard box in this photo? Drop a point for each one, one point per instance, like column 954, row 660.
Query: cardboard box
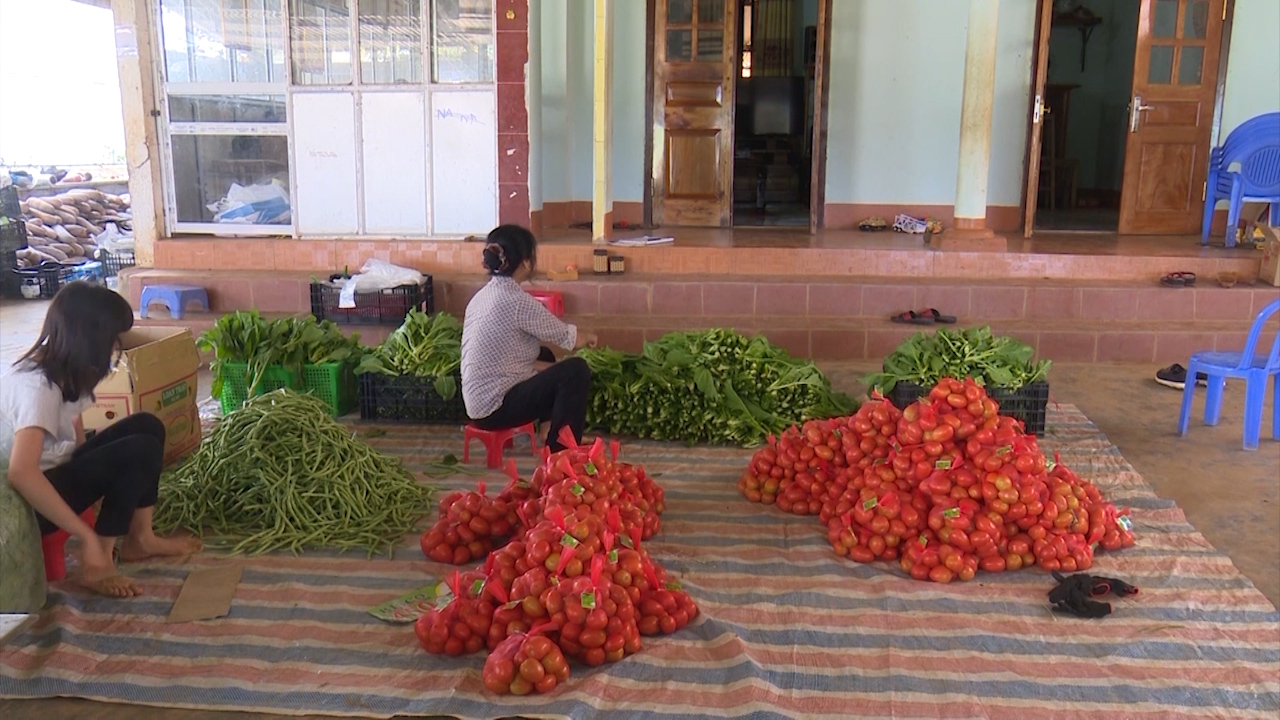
column 1269, row 272
column 156, row 374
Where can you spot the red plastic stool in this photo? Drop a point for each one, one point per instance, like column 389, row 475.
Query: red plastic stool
column 495, row 441
column 54, row 547
column 553, row 300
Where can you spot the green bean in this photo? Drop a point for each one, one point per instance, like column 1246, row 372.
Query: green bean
column 280, row 474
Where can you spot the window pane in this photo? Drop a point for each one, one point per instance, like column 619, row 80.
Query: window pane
column 679, row 45
column 710, row 45
column 1189, row 65
column 222, row 40
column 679, row 12
column 1165, row 22
column 1196, row 26
column 1161, row 70
column 463, row 48
column 391, row 42
column 227, row 108
column 710, row 12
column 234, row 179
column 320, row 41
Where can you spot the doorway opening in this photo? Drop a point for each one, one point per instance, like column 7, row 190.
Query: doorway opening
column 774, row 90
column 1086, row 116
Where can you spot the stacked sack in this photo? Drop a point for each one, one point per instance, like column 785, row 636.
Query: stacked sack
column 945, row 487
column 62, row 228
column 568, row 580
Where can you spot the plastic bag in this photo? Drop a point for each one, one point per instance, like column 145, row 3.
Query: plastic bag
column 266, row 204
column 22, row 585
column 112, row 240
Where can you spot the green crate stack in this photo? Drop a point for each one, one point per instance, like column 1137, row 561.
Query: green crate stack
column 235, row 384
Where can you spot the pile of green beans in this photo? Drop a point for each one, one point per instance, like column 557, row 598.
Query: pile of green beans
column 280, row 474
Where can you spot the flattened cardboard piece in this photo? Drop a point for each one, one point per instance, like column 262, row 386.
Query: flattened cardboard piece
column 206, row 594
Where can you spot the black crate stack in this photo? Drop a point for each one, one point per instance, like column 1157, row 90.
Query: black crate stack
column 376, row 307
column 13, row 237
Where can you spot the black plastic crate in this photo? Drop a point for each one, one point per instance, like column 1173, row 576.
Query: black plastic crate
column 13, row 234
column 10, row 207
column 10, row 283
column 408, row 399
column 114, row 262
column 48, row 277
column 1029, row 403
column 381, row 307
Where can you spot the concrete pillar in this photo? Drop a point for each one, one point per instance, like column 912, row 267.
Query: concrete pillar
column 602, row 124
column 134, row 53
column 975, row 115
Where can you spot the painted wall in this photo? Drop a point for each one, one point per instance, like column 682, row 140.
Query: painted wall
column 1096, row 127
column 1253, row 69
column 896, row 86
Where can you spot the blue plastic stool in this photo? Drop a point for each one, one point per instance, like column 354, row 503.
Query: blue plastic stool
column 1249, row 365
column 176, row 297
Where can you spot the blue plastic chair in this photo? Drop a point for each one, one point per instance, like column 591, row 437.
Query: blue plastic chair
column 1254, row 369
column 1245, row 168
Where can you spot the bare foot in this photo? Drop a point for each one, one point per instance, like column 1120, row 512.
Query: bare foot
column 132, row 550
column 113, row 585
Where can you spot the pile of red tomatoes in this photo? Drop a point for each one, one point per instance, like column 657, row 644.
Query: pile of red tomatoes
column 945, row 488
column 568, row 579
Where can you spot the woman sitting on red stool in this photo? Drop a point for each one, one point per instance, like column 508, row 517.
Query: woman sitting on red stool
column 55, row 469
column 502, row 336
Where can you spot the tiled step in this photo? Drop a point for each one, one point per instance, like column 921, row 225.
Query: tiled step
column 863, row 338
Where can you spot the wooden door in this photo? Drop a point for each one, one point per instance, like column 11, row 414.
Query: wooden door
column 1175, row 73
column 694, row 69
column 1044, row 23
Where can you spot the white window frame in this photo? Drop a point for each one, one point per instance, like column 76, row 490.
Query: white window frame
column 357, row 88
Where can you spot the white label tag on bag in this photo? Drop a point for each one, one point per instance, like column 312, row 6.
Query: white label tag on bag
column 347, row 298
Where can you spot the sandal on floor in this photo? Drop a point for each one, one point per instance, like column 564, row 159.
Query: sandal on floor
column 1179, row 279
column 911, row 318
column 937, row 316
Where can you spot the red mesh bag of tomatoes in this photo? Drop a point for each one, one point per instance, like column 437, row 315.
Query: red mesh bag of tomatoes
column 468, row 526
column 599, row 619
column 666, row 610
column 460, row 624
column 525, row 663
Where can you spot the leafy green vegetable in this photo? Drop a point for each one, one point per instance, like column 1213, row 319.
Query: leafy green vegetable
column 426, row 346
column 711, row 386
column 924, row 358
column 247, row 338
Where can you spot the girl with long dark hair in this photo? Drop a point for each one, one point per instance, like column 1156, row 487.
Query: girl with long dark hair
column 55, row 469
column 502, row 336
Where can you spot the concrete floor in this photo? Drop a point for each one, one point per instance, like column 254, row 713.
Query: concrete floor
column 1229, row 495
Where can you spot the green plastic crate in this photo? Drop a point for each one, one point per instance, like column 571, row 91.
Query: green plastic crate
column 235, row 384
column 333, row 383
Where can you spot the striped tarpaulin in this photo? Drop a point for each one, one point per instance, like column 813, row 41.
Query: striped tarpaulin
column 787, row 629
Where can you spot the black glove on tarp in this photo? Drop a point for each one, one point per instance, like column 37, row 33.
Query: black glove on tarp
column 1073, row 594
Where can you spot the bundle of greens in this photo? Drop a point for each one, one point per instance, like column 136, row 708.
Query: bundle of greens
column 246, row 338
column 713, row 386
column 925, row 358
column 280, row 474
column 425, row 346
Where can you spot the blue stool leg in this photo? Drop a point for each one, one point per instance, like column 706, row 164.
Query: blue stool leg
column 1184, row 415
column 1212, row 399
column 1254, row 392
column 176, row 309
column 1275, row 392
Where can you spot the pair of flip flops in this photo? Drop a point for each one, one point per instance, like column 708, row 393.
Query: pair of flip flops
column 924, row 317
column 1179, row 279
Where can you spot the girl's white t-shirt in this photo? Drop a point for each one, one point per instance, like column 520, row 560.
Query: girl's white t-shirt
column 28, row 399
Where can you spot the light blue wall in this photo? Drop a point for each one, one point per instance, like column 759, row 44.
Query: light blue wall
column 896, row 87
column 628, row 100
column 554, row 138
column 1253, row 63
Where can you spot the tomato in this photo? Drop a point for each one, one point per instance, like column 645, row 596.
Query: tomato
column 993, row 563
column 941, row 574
